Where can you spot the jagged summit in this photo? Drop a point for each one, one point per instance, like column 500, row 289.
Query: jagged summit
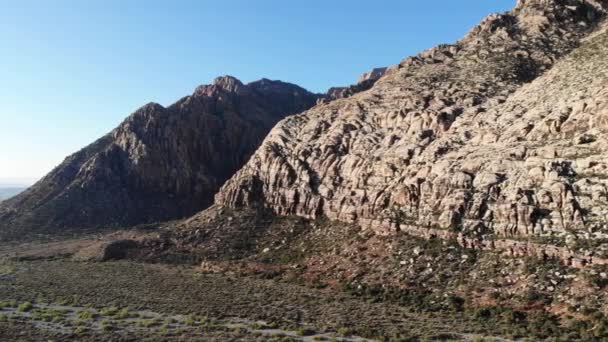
column 373, row 74
column 228, row 83
column 572, row 5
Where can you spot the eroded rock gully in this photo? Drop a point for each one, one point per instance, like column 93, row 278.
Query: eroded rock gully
column 501, row 135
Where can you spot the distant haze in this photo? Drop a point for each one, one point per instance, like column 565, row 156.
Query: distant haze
column 9, row 192
column 16, row 182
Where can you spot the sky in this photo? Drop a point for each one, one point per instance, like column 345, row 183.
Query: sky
column 72, row 70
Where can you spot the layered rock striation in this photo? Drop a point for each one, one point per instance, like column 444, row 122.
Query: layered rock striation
column 160, row 163
column 500, row 134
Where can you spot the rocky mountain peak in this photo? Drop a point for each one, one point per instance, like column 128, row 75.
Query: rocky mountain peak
column 150, row 107
column 372, row 75
column 542, row 18
column 270, row 87
column 536, row 16
column 365, row 82
column 553, row 4
column 228, row 83
column 147, row 110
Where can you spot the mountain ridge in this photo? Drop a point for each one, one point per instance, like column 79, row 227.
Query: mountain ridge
column 160, row 163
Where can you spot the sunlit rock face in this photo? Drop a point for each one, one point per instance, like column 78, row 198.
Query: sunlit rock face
column 503, row 133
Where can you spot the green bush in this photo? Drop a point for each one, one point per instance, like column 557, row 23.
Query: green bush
column 123, row 314
column 544, row 325
column 111, row 311
column 484, row 314
column 513, row 317
column 456, row 303
column 25, row 307
column 190, row 321
column 305, row 332
column 8, row 304
column 86, row 315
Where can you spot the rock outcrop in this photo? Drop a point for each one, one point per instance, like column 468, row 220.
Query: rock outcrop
column 372, row 75
column 160, row 163
column 502, row 134
column 365, row 82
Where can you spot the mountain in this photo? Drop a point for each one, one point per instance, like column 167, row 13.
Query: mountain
column 467, row 183
column 160, row 163
column 499, row 135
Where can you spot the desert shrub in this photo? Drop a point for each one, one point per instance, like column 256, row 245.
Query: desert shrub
column 86, row 315
column 47, row 315
column 272, row 325
column 434, row 247
column 147, row 323
column 190, row 321
column 416, row 299
column 106, row 325
column 445, row 337
column 597, row 280
column 456, row 303
column 495, row 295
column 344, row 331
column 61, row 301
column 123, row 314
column 543, row 326
column 404, row 337
column 536, row 296
column 25, row 307
column 305, row 332
column 484, row 314
column 509, row 316
column 601, row 329
column 111, row 311
column 80, row 330
column 8, row 304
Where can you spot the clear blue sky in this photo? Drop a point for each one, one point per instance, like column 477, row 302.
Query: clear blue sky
column 72, row 70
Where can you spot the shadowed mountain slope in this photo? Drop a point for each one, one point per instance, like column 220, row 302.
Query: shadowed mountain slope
column 160, row 163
